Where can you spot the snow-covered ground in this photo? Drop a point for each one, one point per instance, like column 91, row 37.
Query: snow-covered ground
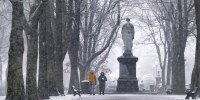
column 117, row 97
column 122, row 97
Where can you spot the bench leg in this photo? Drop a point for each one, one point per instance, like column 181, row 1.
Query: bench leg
column 79, row 94
column 75, row 93
column 188, row 96
column 193, row 96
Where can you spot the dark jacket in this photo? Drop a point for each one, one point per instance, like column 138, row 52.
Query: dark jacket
column 102, row 82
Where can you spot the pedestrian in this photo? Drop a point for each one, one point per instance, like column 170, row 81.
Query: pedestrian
column 92, row 81
column 102, row 83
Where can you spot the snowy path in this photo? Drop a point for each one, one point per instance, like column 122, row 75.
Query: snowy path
column 118, row 97
column 122, row 97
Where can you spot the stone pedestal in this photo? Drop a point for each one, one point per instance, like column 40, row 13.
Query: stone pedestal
column 127, row 81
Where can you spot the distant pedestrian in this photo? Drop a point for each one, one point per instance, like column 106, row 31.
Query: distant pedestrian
column 92, row 81
column 102, row 83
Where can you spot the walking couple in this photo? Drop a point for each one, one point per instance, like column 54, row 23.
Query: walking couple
column 92, row 82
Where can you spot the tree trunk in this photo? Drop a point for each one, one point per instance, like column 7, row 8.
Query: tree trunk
column 65, row 33
column 32, row 65
column 85, row 34
column 65, row 37
column 169, row 67
column 178, row 69
column 51, row 67
column 61, row 36
column 32, row 39
column 15, row 90
column 1, row 74
column 73, row 48
column 195, row 73
column 169, row 51
column 163, row 79
column 46, row 61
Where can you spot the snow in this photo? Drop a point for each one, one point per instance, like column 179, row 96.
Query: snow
column 85, row 81
column 2, row 97
column 117, row 97
column 122, row 97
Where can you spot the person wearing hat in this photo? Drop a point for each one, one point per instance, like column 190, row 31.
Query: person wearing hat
column 102, row 82
column 92, row 81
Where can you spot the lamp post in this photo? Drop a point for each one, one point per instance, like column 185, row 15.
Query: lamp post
column 155, row 69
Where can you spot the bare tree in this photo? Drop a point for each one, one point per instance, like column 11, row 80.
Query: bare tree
column 179, row 38
column 61, row 40
column 15, row 90
column 170, row 27
column 178, row 19
column 74, row 45
column 156, row 30
column 46, row 52
column 195, row 72
column 31, row 31
column 96, row 39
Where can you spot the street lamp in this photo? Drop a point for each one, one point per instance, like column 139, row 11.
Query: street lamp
column 155, row 69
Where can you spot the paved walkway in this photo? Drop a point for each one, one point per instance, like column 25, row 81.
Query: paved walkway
column 121, row 97
column 117, row 97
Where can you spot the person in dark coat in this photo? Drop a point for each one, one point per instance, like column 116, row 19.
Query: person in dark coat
column 102, row 83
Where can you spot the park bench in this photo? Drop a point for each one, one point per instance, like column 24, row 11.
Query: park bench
column 76, row 91
column 191, row 93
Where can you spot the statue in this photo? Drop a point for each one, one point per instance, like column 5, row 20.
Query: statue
column 127, row 81
column 127, row 37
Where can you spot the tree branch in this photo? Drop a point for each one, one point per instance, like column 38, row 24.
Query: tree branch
column 108, row 42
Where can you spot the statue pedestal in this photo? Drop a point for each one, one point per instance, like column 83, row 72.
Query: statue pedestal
column 127, row 81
